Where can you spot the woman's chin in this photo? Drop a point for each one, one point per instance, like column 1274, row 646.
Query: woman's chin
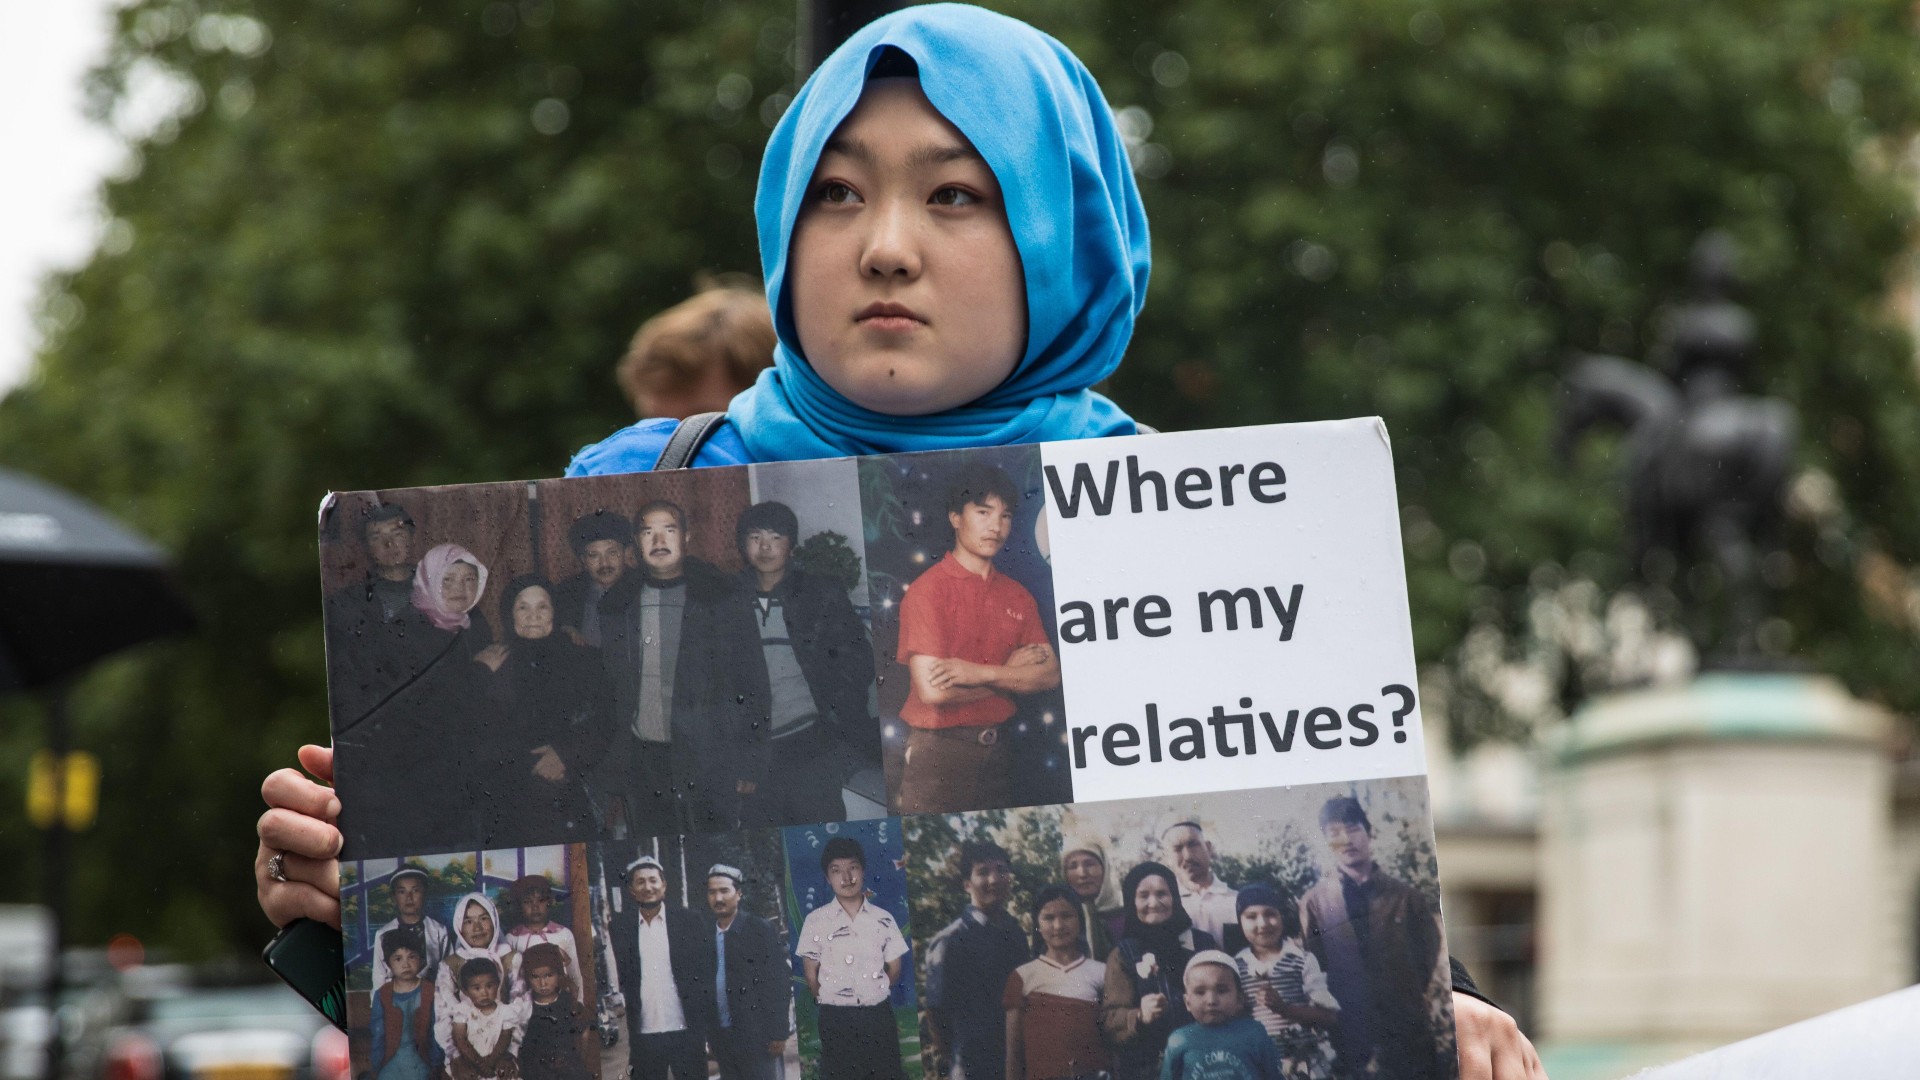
column 893, row 399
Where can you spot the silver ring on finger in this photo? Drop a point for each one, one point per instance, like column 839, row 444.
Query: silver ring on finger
column 277, row 866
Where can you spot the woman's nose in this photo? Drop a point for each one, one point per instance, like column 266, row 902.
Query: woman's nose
column 892, row 248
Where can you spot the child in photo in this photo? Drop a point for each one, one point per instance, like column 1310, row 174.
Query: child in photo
column 1053, row 1001
column 550, row 1048
column 1284, row 986
column 851, row 952
column 1222, row 1043
column 480, row 1035
column 476, row 936
column 531, row 899
column 402, row 1022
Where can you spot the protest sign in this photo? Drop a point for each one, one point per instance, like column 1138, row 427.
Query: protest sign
column 995, row 751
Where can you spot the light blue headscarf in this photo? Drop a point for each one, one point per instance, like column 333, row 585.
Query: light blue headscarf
column 1038, row 118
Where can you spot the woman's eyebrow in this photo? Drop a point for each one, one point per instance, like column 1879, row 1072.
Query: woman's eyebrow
column 940, row 153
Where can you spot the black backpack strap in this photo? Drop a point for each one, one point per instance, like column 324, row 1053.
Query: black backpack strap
column 687, row 439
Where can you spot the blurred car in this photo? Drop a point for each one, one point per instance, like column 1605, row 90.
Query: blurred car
column 246, row 1032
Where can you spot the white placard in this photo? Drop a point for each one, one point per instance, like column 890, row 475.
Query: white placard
column 1237, row 616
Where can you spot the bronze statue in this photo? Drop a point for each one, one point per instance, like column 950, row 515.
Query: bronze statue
column 1706, row 466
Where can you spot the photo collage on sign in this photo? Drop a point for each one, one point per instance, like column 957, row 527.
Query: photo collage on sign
column 763, row 772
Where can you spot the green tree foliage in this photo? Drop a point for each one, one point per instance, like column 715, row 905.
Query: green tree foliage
column 389, row 244
column 1413, row 209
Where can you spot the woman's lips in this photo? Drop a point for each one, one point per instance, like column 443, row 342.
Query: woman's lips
column 889, row 318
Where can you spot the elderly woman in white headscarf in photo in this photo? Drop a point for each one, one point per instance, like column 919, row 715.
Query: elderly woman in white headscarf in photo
column 1085, row 869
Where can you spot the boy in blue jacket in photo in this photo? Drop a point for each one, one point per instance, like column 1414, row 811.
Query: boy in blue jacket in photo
column 955, row 252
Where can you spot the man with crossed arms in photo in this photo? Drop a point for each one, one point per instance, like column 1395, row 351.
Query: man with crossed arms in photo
column 660, row 951
column 972, row 640
column 752, row 988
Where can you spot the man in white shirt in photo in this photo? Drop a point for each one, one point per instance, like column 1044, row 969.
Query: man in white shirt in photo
column 658, row 949
column 1208, row 900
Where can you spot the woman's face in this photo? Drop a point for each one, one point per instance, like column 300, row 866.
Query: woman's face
column 1085, row 873
column 533, row 613
column 460, row 587
column 1059, row 924
column 476, row 926
column 1153, row 900
column 907, row 289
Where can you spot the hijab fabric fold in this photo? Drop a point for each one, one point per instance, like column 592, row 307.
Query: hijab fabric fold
column 1039, row 120
column 426, row 586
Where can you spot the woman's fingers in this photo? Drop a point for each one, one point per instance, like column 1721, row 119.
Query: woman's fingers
column 311, row 891
column 301, row 834
column 286, row 789
column 318, row 760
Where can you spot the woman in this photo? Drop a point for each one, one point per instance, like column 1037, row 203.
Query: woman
column 476, row 933
column 973, row 297
column 1145, row 1001
column 1084, row 867
column 1053, row 1000
column 548, row 719
column 421, row 730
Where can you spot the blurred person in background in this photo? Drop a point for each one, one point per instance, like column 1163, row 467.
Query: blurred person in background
column 697, row 355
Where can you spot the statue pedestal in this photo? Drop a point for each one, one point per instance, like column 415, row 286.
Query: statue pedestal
column 1713, row 860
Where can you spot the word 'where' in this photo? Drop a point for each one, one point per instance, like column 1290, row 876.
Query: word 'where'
column 1194, row 489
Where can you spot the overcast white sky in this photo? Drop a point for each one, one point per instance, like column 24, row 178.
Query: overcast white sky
column 55, row 158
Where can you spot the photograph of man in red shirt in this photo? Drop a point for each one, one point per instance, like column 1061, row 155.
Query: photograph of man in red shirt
column 973, row 641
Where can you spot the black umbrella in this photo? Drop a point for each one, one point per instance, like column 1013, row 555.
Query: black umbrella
column 75, row 586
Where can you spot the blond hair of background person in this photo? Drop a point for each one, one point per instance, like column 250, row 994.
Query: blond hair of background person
column 696, row 355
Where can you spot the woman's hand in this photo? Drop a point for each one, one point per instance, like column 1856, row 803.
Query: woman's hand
column 1152, row 1007
column 1491, row 1045
column 299, row 825
column 492, row 656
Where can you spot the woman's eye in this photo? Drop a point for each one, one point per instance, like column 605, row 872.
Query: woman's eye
column 833, row 191
column 953, row 196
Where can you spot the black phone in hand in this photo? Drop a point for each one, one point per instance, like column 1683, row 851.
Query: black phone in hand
column 311, row 957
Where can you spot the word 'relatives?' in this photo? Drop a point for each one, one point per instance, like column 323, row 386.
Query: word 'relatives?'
column 1245, row 732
